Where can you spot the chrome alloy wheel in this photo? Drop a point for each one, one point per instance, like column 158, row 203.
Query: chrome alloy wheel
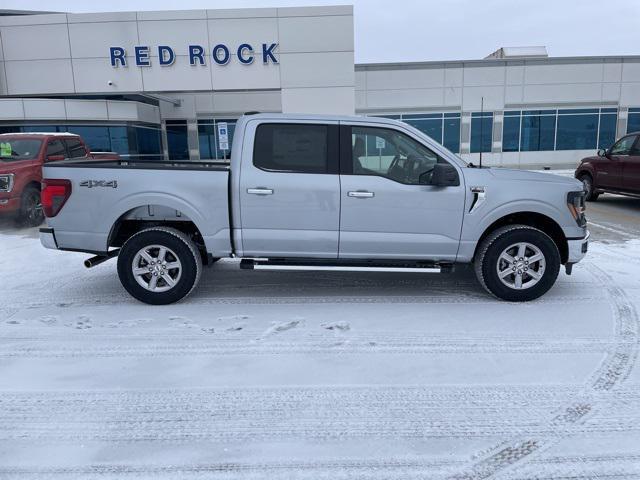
column 521, row 265
column 156, row 268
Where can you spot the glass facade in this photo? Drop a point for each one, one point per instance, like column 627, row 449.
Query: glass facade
column 564, row 129
column 177, row 139
column 444, row 128
column 633, row 120
column 208, row 138
column 130, row 141
column 481, row 131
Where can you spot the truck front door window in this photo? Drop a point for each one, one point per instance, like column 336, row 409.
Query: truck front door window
column 623, row 146
column 390, row 154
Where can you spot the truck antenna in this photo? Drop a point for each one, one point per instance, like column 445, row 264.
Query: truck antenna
column 481, row 132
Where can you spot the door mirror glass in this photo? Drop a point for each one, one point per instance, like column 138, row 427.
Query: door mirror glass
column 443, row 175
column 602, row 152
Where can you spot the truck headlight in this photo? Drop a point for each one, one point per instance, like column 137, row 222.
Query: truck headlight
column 6, row 182
column 575, row 203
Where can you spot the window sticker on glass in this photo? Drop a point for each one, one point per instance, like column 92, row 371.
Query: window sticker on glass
column 5, row 149
column 380, row 143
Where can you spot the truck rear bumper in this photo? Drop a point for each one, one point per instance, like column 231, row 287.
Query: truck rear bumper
column 578, row 248
column 48, row 238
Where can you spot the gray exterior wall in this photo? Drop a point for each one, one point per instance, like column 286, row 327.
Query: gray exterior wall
column 504, row 84
column 68, row 54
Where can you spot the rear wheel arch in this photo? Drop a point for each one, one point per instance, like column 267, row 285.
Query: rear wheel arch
column 532, row 219
column 126, row 226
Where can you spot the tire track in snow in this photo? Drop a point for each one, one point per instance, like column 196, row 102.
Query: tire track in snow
column 614, row 369
column 317, row 413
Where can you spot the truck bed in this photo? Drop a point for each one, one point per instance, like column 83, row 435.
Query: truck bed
column 105, row 193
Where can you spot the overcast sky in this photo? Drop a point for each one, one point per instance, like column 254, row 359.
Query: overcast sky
column 422, row 30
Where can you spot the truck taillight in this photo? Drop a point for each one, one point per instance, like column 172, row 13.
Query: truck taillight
column 54, row 194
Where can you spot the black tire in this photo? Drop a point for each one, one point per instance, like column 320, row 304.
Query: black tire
column 178, row 245
column 587, row 183
column 30, row 213
column 488, row 257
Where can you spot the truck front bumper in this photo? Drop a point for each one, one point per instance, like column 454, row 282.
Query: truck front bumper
column 578, row 248
column 9, row 205
column 48, row 238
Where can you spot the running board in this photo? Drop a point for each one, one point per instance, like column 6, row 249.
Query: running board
column 263, row 264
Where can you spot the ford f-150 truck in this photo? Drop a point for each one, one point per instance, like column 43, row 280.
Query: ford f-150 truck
column 317, row 193
column 22, row 156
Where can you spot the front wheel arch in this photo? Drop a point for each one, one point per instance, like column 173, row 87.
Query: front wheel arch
column 532, row 219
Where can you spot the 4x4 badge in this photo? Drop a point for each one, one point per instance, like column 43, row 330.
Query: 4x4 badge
column 99, row 183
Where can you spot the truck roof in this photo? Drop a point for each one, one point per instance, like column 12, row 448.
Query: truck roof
column 321, row 117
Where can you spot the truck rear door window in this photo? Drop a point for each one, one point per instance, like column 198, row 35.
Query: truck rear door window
column 75, row 147
column 299, row 148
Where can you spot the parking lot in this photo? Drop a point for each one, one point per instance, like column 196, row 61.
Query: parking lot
column 321, row 375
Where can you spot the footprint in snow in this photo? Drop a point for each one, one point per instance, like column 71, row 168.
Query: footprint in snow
column 233, row 317
column 82, row 323
column 337, row 326
column 235, row 328
column 208, row 330
column 183, row 322
column 48, row 319
column 279, row 327
column 13, row 322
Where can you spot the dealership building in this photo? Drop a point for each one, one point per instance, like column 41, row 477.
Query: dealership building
column 158, row 84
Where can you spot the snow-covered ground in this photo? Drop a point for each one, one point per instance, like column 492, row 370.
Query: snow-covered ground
column 267, row 375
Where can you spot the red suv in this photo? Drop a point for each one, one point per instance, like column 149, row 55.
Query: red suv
column 21, row 158
column 614, row 170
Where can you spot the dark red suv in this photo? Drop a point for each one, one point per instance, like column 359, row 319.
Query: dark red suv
column 614, row 170
column 21, row 158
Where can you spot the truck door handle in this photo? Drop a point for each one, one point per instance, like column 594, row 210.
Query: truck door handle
column 361, row 194
column 260, row 191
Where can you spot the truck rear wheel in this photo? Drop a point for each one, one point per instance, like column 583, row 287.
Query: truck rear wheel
column 517, row 263
column 159, row 265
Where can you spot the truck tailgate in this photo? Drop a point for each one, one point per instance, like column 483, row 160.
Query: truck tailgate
column 101, row 195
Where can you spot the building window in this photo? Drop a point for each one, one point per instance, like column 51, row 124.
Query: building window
column 177, row 139
column 607, row 127
column 546, row 130
column 129, row 140
column 577, row 129
column 444, row 128
column 147, row 142
column 208, row 138
column 481, row 131
column 633, row 120
column 451, row 134
column 511, row 131
column 538, row 130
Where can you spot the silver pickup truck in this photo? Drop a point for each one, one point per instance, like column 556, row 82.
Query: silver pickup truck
column 317, row 193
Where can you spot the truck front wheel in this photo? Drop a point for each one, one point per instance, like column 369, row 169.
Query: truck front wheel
column 517, row 263
column 159, row 265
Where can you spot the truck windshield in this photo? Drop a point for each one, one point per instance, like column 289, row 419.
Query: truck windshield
column 14, row 149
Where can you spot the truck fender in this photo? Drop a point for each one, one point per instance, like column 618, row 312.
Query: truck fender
column 173, row 202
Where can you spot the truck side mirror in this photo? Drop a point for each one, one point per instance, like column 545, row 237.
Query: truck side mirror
column 602, row 152
column 445, row 175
